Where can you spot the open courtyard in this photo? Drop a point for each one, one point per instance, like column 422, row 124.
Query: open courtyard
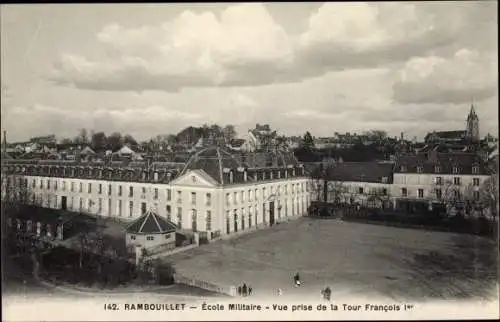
column 354, row 259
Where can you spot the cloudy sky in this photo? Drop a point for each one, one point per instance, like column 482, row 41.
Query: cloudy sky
column 149, row 69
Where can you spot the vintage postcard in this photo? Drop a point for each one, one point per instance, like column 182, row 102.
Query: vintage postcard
column 249, row 161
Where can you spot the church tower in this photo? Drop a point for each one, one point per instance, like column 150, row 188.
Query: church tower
column 472, row 131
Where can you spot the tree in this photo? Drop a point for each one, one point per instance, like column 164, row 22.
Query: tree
column 229, row 132
column 379, row 197
column 308, row 141
column 115, row 141
column 129, row 139
column 82, row 137
column 99, row 141
column 488, row 195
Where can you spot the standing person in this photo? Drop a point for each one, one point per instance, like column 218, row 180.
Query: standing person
column 279, row 292
column 328, row 293
column 239, row 290
column 244, row 289
column 297, row 279
column 249, row 290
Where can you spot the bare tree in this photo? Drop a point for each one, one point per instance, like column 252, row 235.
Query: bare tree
column 337, row 192
column 488, row 194
column 379, row 197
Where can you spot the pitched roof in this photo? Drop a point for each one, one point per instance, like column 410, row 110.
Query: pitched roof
column 212, row 160
column 151, row 223
column 446, row 161
column 357, row 172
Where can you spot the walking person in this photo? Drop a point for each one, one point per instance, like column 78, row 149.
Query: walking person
column 244, row 289
column 239, row 290
column 249, row 290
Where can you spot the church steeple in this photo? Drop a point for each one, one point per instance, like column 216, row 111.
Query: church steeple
column 472, row 131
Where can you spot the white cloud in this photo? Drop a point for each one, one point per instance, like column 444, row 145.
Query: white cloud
column 468, row 74
column 244, row 46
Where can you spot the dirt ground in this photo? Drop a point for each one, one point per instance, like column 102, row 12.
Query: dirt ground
column 352, row 258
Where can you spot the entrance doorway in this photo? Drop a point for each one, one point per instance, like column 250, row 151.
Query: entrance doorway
column 271, row 213
column 64, row 202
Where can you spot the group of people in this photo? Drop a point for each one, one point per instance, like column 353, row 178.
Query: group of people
column 244, row 290
column 326, row 293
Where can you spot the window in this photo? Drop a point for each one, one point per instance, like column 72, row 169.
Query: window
column 475, row 169
column 64, row 185
column 249, row 217
column 420, row 193
column 41, row 184
column 119, row 208
column 81, row 204
column 208, row 198
column 169, row 212
column 256, row 194
column 89, row 204
column 420, row 169
column 150, row 237
column 456, row 194
column 384, row 179
column 286, row 189
column 404, row 192
column 109, row 207
column 130, row 208
column 475, row 181
column 109, row 190
column 264, row 192
column 193, row 198
column 455, row 169
column 402, row 168
column 437, row 169
column 456, row 181
column 179, row 217
column 439, row 180
column 360, row 190
column 99, row 205
column 384, row 191
column 249, row 195
column 179, row 197
column 228, row 197
column 143, row 190
column 156, row 193
column 132, row 237
column 476, row 195
column 100, row 188
column 242, row 196
column 119, row 191
column 439, row 193
column 130, row 191
column 228, row 222
column 235, row 198
column 48, row 184
column 81, row 186
column 55, row 185
column 209, row 220
column 169, row 194
column 90, row 187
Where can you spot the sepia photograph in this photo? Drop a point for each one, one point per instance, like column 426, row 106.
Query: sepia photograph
column 249, row 161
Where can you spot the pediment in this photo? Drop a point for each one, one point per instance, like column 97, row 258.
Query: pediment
column 195, row 178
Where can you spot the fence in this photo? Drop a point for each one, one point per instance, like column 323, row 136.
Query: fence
column 179, row 279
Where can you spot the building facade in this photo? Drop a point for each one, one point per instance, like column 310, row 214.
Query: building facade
column 440, row 177
column 213, row 194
